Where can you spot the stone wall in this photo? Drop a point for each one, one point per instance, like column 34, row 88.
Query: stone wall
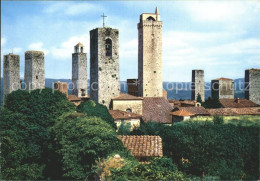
column 135, row 105
column 197, row 85
column 222, row 88
column 252, row 85
column 62, row 87
column 11, row 73
column 34, row 73
column 132, row 86
column 104, row 69
column 79, row 74
column 150, row 57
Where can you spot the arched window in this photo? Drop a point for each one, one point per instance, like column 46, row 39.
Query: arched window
column 150, row 18
column 128, row 110
column 81, row 49
column 108, row 47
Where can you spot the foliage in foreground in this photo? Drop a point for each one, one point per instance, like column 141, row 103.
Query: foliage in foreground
column 82, row 141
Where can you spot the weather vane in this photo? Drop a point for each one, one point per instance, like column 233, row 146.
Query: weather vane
column 103, row 16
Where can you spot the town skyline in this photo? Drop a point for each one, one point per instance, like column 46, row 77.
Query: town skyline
column 190, row 39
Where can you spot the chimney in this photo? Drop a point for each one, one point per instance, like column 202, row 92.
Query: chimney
column 237, row 100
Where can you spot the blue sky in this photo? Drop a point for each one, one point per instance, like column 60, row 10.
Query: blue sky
column 221, row 37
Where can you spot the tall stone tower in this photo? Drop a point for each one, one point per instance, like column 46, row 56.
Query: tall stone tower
column 150, row 55
column 11, row 73
column 79, row 71
column 34, row 74
column 197, row 85
column 104, row 65
column 252, row 85
column 223, row 88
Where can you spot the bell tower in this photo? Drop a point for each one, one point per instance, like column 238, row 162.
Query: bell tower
column 150, row 55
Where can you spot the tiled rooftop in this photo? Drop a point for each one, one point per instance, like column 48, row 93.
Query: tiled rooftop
column 237, row 103
column 182, row 113
column 198, row 111
column 235, row 111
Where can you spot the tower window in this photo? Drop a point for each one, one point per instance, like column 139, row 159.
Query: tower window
column 108, row 47
column 150, row 18
column 128, row 110
column 36, row 76
column 81, row 49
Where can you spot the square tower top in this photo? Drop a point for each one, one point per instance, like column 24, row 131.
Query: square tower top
column 150, row 16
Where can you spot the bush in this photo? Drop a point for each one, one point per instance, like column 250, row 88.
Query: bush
column 92, row 108
column 124, row 129
column 218, row 119
column 82, row 141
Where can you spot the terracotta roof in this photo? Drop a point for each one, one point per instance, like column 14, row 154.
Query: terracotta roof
column 73, row 98
column 198, row 111
column 123, row 96
column 143, row 146
column 79, row 44
column 118, row 114
column 237, row 103
column 157, row 109
column 235, row 111
column 182, row 113
column 222, row 78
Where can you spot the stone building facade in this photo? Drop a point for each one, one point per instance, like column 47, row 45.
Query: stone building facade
column 79, row 72
column 62, row 87
column 132, row 87
column 11, row 73
column 150, row 55
column 222, row 88
column 34, row 74
column 197, row 85
column 252, row 85
column 104, row 65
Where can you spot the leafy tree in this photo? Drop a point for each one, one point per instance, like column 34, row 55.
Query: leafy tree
column 124, row 129
column 149, row 128
column 212, row 102
column 83, row 140
column 92, row 108
column 199, row 98
column 38, row 111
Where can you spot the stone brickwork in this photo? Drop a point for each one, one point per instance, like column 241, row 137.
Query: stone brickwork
column 104, row 65
column 150, row 55
column 136, row 106
column 197, row 85
column 222, row 88
column 132, row 87
column 79, row 72
column 62, row 87
column 252, row 85
column 34, row 74
column 11, row 73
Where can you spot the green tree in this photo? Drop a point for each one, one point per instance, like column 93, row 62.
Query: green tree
column 124, row 129
column 92, row 108
column 83, row 140
column 212, row 102
column 199, row 98
column 38, row 111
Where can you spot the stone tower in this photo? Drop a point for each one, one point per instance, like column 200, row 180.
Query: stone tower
column 150, row 55
column 252, row 85
column 79, row 71
column 104, row 65
column 197, row 85
column 34, row 74
column 223, row 88
column 11, row 73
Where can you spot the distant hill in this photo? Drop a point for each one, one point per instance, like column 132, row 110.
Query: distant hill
column 175, row 90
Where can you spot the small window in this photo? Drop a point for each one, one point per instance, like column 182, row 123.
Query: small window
column 108, row 47
column 150, row 18
column 36, row 76
column 128, row 110
column 81, row 49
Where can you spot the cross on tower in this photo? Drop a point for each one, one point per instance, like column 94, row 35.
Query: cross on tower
column 103, row 16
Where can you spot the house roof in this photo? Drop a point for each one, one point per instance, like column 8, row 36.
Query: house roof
column 118, row 114
column 157, row 109
column 235, row 111
column 72, row 97
column 198, row 111
column 79, row 45
column 182, row 113
column 123, row 96
column 143, row 146
column 237, row 103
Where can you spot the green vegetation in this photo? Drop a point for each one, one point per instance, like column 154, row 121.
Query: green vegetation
column 212, row 102
column 199, row 98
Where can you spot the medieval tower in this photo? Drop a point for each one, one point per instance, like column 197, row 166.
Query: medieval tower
column 79, row 71
column 252, row 85
column 197, row 85
column 34, row 74
column 104, row 65
column 150, row 55
column 11, row 73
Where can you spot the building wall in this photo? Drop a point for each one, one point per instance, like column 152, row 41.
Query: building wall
column 223, row 89
column 62, row 87
column 79, row 74
column 197, row 85
column 135, row 105
column 132, row 86
column 104, row 70
column 252, row 85
column 11, row 73
column 150, row 56
column 34, row 73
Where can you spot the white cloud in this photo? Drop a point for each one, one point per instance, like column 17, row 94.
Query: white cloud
column 17, row 50
column 69, row 8
column 38, row 46
column 67, row 48
column 3, row 41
